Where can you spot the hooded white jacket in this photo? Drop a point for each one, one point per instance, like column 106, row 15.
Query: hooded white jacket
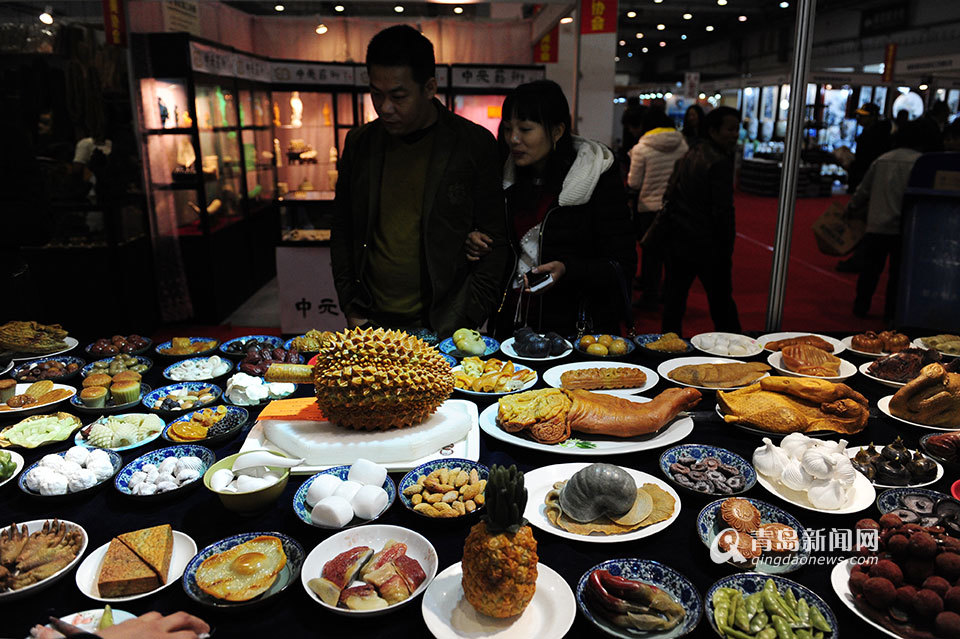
column 651, row 164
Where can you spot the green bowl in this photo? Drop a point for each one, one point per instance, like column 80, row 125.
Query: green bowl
column 252, row 501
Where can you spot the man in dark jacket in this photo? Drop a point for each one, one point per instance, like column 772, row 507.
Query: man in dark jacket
column 412, row 184
column 701, row 226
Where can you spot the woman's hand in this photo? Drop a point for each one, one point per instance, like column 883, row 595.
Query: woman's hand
column 555, row 269
column 477, row 245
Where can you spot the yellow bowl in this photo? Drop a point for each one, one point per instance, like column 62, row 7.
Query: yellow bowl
column 252, row 501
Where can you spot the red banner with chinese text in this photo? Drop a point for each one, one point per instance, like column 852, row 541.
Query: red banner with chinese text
column 598, row 16
column 546, row 50
column 113, row 22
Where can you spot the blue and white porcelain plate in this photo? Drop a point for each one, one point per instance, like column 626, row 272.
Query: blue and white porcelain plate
column 751, row 582
column 272, row 340
column 890, row 500
column 115, row 460
column 288, row 575
column 109, row 407
column 483, row 472
column 527, row 385
column 122, row 481
column 153, row 400
column 228, row 426
column 710, row 524
column 229, row 367
column 700, row 452
column 80, row 440
column 450, row 359
column 146, row 361
column 88, row 349
column 193, row 340
column 66, row 360
column 447, row 347
column 646, row 338
column 303, row 510
column 655, row 574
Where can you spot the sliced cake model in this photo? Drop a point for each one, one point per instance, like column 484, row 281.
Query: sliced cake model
column 136, row 562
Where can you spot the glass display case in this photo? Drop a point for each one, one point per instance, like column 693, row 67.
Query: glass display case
column 477, row 91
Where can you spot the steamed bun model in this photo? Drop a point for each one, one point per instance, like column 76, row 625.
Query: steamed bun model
column 334, row 502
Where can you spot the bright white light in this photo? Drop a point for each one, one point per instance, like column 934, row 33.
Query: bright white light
column 46, row 18
column 742, row 18
column 688, row 16
column 923, row 87
column 784, row 105
column 631, row 14
column 702, row 96
column 717, row 96
column 683, row 36
column 645, row 49
column 616, row 58
column 398, row 8
column 458, row 10
column 623, row 43
column 657, row 1
column 662, row 43
column 709, row 27
column 748, row 91
column 784, row 4
column 661, row 27
column 668, row 95
column 566, row 20
column 338, row 8
column 278, row 7
column 659, row 95
column 321, row 29
column 639, row 35
column 722, row 3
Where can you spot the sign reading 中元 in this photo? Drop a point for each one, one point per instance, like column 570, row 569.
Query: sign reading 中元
column 307, row 302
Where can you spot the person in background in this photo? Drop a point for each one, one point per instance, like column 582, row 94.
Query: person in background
column 568, row 220
column 412, row 184
column 936, row 117
column 882, row 192
column 701, row 227
column 951, row 137
column 652, row 161
column 693, row 121
column 632, row 121
column 873, row 141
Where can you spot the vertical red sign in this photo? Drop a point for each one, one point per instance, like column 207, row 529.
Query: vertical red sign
column 889, row 60
column 546, row 50
column 598, row 16
column 114, row 24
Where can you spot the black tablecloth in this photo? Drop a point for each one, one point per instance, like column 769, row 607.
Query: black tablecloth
column 200, row 514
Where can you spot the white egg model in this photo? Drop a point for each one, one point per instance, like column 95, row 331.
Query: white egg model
column 335, row 502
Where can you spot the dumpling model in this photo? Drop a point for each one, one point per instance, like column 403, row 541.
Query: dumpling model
column 599, row 489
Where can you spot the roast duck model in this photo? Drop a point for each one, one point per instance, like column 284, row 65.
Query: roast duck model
column 792, row 404
column 932, row 398
column 907, row 364
column 550, row 415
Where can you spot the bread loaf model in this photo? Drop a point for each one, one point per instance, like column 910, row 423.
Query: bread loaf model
column 603, row 378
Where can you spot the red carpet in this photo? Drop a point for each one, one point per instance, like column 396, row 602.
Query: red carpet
column 818, row 298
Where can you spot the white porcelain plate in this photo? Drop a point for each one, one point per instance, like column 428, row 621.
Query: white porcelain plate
column 69, row 341
column 449, row 615
column 884, row 405
column 506, row 347
column 918, row 343
column 665, row 368
column 33, row 526
column 540, row 481
column 852, row 452
column 838, row 346
column 847, row 370
column 863, row 496
column 886, row 382
column 848, row 344
column 526, row 386
column 671, row 433
column 31, row 409
column 184, row 548
column 840, row 580
column 703, row 341
column 17, row 459
column 552, row 376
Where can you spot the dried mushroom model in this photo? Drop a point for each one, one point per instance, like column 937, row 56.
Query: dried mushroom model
column 373, row 379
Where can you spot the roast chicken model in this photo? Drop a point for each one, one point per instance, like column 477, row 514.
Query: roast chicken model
column 932, row 398
column 373, row 379
column 792, row 404
column 550, row 415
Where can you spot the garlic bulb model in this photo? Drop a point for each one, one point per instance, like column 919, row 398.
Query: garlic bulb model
column 795, row 477
column 845, row 473
column 817, row 462
column 795, row 444
column 768, row 459
column 828, row 494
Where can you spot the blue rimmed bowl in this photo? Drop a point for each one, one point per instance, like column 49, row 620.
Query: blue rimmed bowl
column 167, row 372
column 447, row 347
column 642, row 341
column 88, row 349
column 701, row 452
column 303, row 510
column 115, row 460
column 154, row 399
column 890, row 500
column 66, row 360
column 582, row 352
column 288, row 575
column 241, row 344
column 109, row 407
column 751, row 582
column 450, row 359
column 710, row 524
column 655, row 574
column 225, row 429
column 483, row 472
column 122, row 481
column 145, row 361
column 193, row 340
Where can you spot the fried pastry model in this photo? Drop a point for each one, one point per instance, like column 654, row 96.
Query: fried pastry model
column 550, row 415
column 810, row 360
column 791, row 405
column 603, row 378
column 932, row 398
column 32, row 337
column 719, row 375
column 810, row 340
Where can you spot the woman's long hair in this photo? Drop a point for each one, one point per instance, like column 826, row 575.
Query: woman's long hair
column 542, row 102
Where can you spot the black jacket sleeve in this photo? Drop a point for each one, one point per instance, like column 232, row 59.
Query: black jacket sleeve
column 342, row 257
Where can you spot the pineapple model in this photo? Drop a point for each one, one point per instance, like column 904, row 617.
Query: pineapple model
column 500, row 554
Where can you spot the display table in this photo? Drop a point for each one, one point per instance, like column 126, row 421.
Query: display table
column 293, row 614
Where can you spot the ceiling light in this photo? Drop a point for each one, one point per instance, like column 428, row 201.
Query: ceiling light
column 321, row 29
column 688, row 16
column 458, row 10
column 668, row 95
column 338, row 8
column 47, row 16
column 722, row 3
column 742, row 18
column 702, row 96
column 709, row 27
column 683, row 36
column 662, row 43
column 631, row 14
column 784, row 4
column 661, row 27
column 657, row 1
column 566, row 20
column 645, row 49
column 923, row 87
column 623, row 43
column 278, row 7
column 616, row 58
column 398, row 8
column 630, row 54
column 639, row 35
